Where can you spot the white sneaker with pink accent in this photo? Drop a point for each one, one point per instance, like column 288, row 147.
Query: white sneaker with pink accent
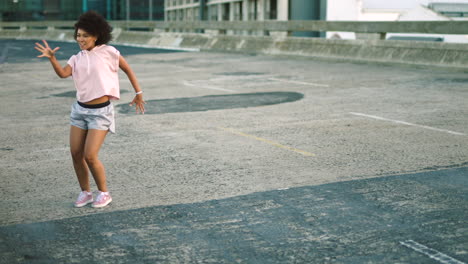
column 103, row 199
column 84, row 198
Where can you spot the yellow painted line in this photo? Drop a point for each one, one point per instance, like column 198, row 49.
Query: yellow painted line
column 273, row 143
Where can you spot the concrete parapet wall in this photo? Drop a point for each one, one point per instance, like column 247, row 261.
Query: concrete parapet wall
column 58, row 35
column 408, row 52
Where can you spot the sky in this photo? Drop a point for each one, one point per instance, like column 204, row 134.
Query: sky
column 403, row 3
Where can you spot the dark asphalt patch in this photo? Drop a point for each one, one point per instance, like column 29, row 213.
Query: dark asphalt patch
column 362, row 221
column 4, row 53
column 21, row 51
column 6, row 149
column 66, row 94
column 452, row 80
column 214, row 102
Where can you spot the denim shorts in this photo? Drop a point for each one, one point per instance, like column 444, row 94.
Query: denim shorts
column 90, row 118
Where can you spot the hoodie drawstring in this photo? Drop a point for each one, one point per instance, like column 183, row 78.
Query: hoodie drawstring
column 87, row 60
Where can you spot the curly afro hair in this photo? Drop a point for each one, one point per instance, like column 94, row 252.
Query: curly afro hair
column 96, row 25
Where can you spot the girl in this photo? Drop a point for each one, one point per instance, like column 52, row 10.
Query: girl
column 95, row 74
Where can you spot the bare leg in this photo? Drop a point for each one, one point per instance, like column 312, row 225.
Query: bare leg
column 93, row 144
column 77, row 146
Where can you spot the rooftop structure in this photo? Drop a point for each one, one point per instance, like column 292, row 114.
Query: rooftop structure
column 450, row 9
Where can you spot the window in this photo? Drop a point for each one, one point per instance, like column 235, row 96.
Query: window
column 273, row 11
column 225, row 8
column 213, row 12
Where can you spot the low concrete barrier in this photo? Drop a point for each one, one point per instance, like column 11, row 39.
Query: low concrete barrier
column 48, row 34
column 407, row 52
column 386, row 51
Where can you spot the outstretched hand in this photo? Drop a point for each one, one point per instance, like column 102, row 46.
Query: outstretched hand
column 139, row 103
column 46, row 50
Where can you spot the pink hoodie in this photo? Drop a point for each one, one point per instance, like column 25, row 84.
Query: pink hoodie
column 95, row 73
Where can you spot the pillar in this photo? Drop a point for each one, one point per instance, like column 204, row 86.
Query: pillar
column 283, row 10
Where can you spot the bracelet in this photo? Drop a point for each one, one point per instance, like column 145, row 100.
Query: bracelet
column 140, row 92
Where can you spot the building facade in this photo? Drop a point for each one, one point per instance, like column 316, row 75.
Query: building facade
column 244, row 10
column 247, row 10
column 33, row 10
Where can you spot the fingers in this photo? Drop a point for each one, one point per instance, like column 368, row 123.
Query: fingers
column 46, row 44
column 140, row 107
column 45, row 48
column 40, row 46
column 40, row 49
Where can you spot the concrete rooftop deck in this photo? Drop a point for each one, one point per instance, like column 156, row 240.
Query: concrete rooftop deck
column 240, row 159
